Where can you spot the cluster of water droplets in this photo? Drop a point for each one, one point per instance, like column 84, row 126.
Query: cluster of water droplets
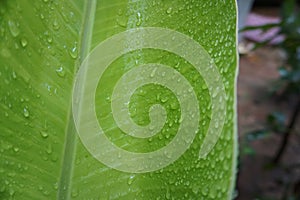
column 35, row 63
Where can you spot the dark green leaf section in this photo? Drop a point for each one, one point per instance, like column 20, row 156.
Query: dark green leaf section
column 42, row 44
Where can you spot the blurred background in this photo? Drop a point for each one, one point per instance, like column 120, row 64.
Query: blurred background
column 269, row 100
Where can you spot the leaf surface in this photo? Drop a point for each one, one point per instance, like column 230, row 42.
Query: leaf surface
column 42, row 46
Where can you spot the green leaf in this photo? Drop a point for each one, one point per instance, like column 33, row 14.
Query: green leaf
column 42, row 47
column 257, row 134
column 264, row 27
column 276, row 122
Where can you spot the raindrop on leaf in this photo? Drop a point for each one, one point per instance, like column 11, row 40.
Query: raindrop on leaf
column 73, row 52
column 23, row 42
column 44, row 134
column 25, row 112
column 13, row 28
column 130, row 179
column 61, row 72
column 169, row 10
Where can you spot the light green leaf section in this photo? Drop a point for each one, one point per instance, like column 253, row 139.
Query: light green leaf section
column 43, row 43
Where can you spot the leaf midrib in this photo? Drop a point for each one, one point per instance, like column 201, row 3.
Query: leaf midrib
column 65, row 179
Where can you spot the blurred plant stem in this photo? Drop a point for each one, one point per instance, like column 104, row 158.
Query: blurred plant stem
column 287, row 133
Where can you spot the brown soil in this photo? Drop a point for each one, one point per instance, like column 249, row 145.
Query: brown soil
column 256, row 179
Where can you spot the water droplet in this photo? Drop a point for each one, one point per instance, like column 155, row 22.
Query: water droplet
column 160, row 136
column 23, row 42
column 195, row 189
column 55, row 186
column 13, row 28
column 11, row 192
column 40, row 188
column 14, row 75
column 164, row 99
column 61, row 72
column 167, row 154
column 168, row 195
column 49, row 149
column 169, row 10
column 153, row 72
column 49, row 39
column 151, row 127
column 122, row 22
column 46, row 193
column 44, row 134
column 74, row 192
column 204, row 87
column 174, row 106
column 180, row 120
column 73, row 52
column 16, row 149
column 177, row 65
column 108, row 99
column 25, row 112
column 216, row 124
column 139, row 19
column 55, row 24
column 130, row 179
column 204, row 191
column 120, row 12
